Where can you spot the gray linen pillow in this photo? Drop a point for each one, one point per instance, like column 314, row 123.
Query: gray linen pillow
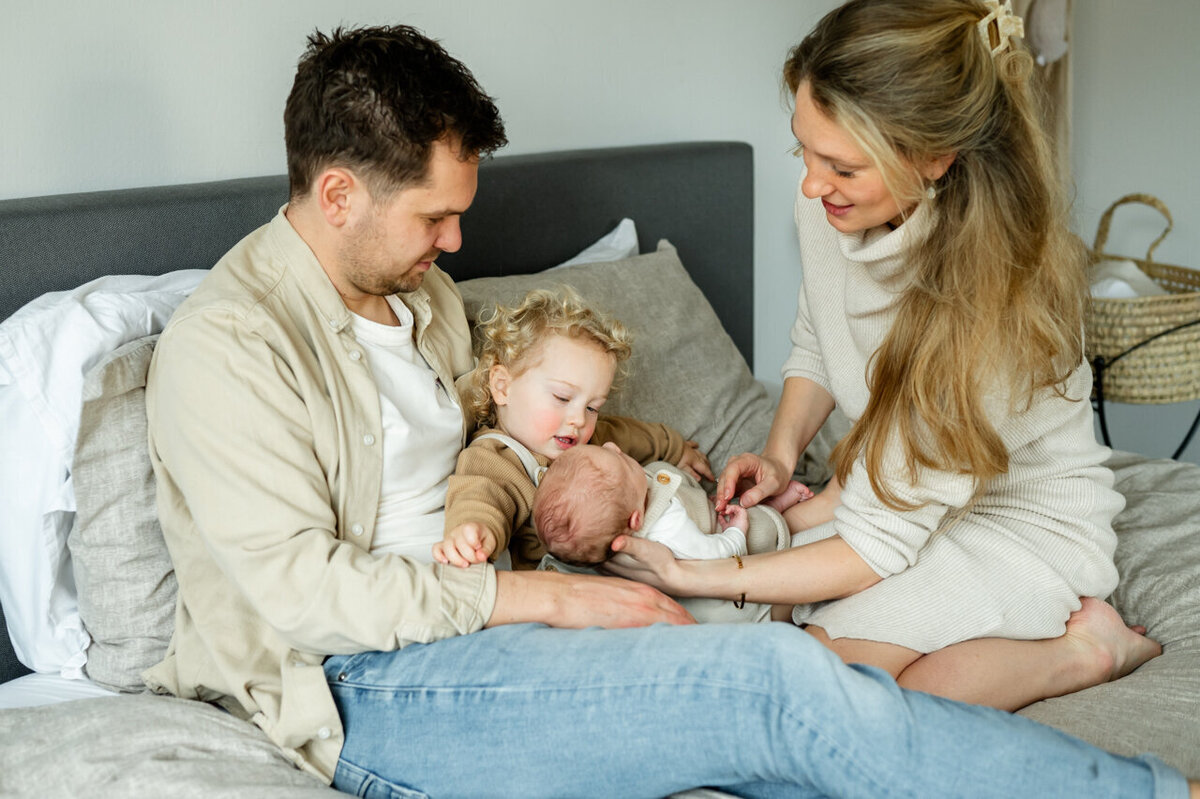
column 123, row 574
column 685, row 370
column 144, row 746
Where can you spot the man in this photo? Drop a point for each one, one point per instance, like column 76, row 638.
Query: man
column 303, row 425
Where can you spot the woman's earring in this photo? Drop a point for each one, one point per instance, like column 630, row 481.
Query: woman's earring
column 930, row 192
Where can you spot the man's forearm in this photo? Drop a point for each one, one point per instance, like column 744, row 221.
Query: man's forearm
column 576, row 601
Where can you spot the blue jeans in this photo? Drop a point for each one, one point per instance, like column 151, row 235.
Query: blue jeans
column 758, row 710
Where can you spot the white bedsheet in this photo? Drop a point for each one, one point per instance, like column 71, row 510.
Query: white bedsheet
column 46, row 689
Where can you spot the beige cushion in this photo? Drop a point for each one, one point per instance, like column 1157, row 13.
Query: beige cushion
column 685, row 370
column 123, row 574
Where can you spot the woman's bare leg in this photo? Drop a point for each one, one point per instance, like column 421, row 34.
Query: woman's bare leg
column 1007, row 674
column 1096, row 648
column 891, row 658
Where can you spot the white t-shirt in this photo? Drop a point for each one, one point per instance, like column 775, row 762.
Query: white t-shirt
column 422, row 435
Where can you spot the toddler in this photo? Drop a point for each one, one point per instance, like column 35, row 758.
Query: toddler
column 546, row 366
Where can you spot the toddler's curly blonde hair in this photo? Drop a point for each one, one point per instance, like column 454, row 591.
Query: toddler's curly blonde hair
column 512, row 337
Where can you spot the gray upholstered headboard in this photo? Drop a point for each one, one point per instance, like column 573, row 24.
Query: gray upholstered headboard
column 532, row 211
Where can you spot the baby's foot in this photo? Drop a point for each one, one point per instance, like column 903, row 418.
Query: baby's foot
column 794, row 493
column 1112, row 648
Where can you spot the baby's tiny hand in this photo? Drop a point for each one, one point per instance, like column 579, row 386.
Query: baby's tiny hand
column 695, row 462
column 464, row 545
column 735, row 516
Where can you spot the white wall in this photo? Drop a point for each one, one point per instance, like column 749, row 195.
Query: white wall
column 117, row 93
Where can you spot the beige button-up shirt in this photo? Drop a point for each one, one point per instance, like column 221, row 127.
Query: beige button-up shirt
column 265, row 436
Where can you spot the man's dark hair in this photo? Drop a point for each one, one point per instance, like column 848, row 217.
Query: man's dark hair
column 375, row 100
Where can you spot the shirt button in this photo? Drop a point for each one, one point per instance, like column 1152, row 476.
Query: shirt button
column 355, row 355
column 357, row 529
column 333, row 323
column 324, row 733
column 368, row 439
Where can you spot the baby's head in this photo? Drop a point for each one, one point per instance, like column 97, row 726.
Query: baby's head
column 588, row 497
column 545, row 368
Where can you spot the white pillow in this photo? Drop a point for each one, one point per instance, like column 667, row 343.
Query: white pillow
column 46, row 348
column 619, row 243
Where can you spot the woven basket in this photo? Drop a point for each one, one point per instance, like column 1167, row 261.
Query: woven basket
column 1166, row 369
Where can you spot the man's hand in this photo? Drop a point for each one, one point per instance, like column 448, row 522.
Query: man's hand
column 464, row 545
column 695, row 462
column 580, row 600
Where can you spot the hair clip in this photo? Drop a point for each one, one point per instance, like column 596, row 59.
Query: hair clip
column 1007, row 24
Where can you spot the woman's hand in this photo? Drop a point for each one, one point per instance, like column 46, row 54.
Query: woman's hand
column 647, row 562
column 753, row 478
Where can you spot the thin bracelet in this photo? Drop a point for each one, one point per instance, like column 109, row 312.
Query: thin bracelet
column 739, row 603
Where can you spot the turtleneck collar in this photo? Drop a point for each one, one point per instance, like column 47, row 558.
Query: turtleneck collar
column 883, row 243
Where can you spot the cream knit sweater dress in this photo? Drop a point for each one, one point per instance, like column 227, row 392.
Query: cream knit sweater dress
column 1038, row 538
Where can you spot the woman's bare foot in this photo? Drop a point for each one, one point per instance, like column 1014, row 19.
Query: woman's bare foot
column 1109, row 647
column 795, row 492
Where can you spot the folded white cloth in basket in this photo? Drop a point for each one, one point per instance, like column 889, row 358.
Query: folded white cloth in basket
column 1121, row 279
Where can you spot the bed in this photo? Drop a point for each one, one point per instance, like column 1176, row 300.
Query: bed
column 86, row 588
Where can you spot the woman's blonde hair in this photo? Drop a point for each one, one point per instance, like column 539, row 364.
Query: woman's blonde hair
column 994, row 306
column 512, row 337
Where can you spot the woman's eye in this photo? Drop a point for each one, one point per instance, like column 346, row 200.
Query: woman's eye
column 592, row 410
column 561, row 399
column 842, row 174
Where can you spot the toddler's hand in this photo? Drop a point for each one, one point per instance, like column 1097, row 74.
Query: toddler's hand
column 695, row 462
column 464, row 545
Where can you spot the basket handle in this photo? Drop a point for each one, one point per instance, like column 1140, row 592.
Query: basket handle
column 1145, row 199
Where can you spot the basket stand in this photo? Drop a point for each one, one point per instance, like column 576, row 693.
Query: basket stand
column 1100, row 363
column 1154, row 376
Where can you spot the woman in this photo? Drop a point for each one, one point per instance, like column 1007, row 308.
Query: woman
column 942, row 311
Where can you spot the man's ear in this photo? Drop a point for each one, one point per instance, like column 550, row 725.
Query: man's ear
column 336, row 191
column 498, row 381
column 635, row 521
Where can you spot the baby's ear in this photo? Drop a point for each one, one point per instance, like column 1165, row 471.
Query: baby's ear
column 635, row 521
column 498, row 380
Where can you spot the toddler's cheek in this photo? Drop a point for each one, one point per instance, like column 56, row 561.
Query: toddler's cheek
column 548, row 421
